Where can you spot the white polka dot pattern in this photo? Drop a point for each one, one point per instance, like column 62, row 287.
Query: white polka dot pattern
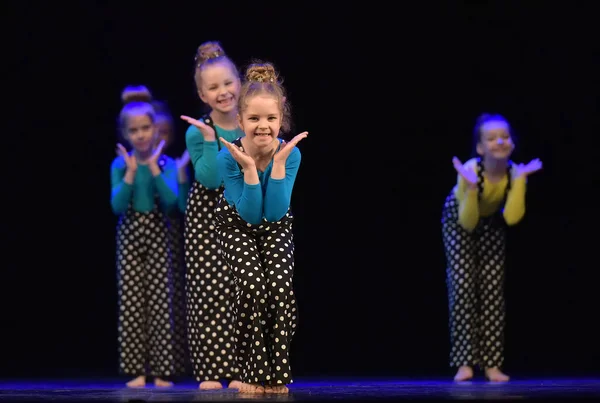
column 209, row 286
column 261, row 258
column 475, row 281
column 146, row 339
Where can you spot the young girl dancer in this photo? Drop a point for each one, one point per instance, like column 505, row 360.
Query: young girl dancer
column 489, row 195
column 144, row 190
column 208, row 282
column 254, row 222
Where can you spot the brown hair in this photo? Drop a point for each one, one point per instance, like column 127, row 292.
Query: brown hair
column 136, row 99
column 208, row 54
column 262, row 78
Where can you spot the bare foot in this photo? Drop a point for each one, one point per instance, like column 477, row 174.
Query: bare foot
column 161, row 383
column 138, row 382
column 495, row 375
column 208, row 385
column 251, row 388
column 276, row 389
column 235, row 385
column 464, row 373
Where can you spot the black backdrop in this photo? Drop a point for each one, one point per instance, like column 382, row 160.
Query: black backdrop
column 388, row 96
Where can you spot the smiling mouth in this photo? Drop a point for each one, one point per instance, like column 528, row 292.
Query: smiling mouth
column 262, row 134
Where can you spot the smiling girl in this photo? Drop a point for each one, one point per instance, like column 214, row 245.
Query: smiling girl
column 489, row 195
column 254, row 223
column 144, row 191
column 209, row 282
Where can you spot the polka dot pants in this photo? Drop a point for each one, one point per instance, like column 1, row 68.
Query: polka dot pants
column 209, row 286
column 475, row 280
column 146, row 342
column 178, row 294
column 262, row 261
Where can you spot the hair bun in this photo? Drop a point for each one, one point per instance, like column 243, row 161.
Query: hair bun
column 139, row 93
column 261, row 72
column 208, row 50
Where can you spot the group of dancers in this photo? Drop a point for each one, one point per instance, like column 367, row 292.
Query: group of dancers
column 205, row 262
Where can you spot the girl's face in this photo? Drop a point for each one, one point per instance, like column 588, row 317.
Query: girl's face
column 495, row 140
column 261, row 120
column 220, row 87
column 141, row 133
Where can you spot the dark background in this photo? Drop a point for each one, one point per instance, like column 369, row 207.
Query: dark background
column 389, row 94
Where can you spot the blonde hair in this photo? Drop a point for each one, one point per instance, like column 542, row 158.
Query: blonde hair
column 262, row 78
column 136, row 100
column 208, row 54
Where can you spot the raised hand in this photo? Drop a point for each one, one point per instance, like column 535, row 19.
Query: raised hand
column 153, row 160
column 130, row 160
column 467, row 174
column 286, row 148
column 207, row 132
column 182, row 162
column 240, row 156
column 527, row 169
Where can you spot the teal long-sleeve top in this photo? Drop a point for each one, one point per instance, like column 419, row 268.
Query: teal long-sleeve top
column 203, row 154
column 269, row 199
column 141, row 194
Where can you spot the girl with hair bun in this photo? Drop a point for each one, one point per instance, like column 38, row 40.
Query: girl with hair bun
column 254, row 223
column 209, row 284
column 144, row 191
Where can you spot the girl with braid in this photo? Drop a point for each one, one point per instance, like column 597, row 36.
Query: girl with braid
column 254, row 223
column 489, row 196
column 208, row 280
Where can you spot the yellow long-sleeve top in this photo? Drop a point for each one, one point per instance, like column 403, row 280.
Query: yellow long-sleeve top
column 471, row 207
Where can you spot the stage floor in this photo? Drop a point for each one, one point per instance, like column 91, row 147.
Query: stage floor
column 308, row 390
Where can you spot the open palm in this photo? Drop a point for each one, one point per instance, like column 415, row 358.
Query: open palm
column 467, row 174
column 240, row 156
column 157, row 151
column 286, row 148
column 529, row 168
column 207, row 132
column 130, row 160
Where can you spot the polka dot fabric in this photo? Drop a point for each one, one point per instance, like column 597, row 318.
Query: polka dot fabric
column 146, row 332
column 261, row 258
column 475, row 281
column 209, row 290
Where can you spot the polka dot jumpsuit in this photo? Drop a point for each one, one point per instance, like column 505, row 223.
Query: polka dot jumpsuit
column 475, row 280
column 145, row 332
column 209, row 286
column 261, row 258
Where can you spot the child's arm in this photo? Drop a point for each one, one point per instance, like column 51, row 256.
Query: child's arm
column 203, row 155
column 514, row 208
column 468, row 200
column 278, row 194
column 122, row 186
column 243, row 188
